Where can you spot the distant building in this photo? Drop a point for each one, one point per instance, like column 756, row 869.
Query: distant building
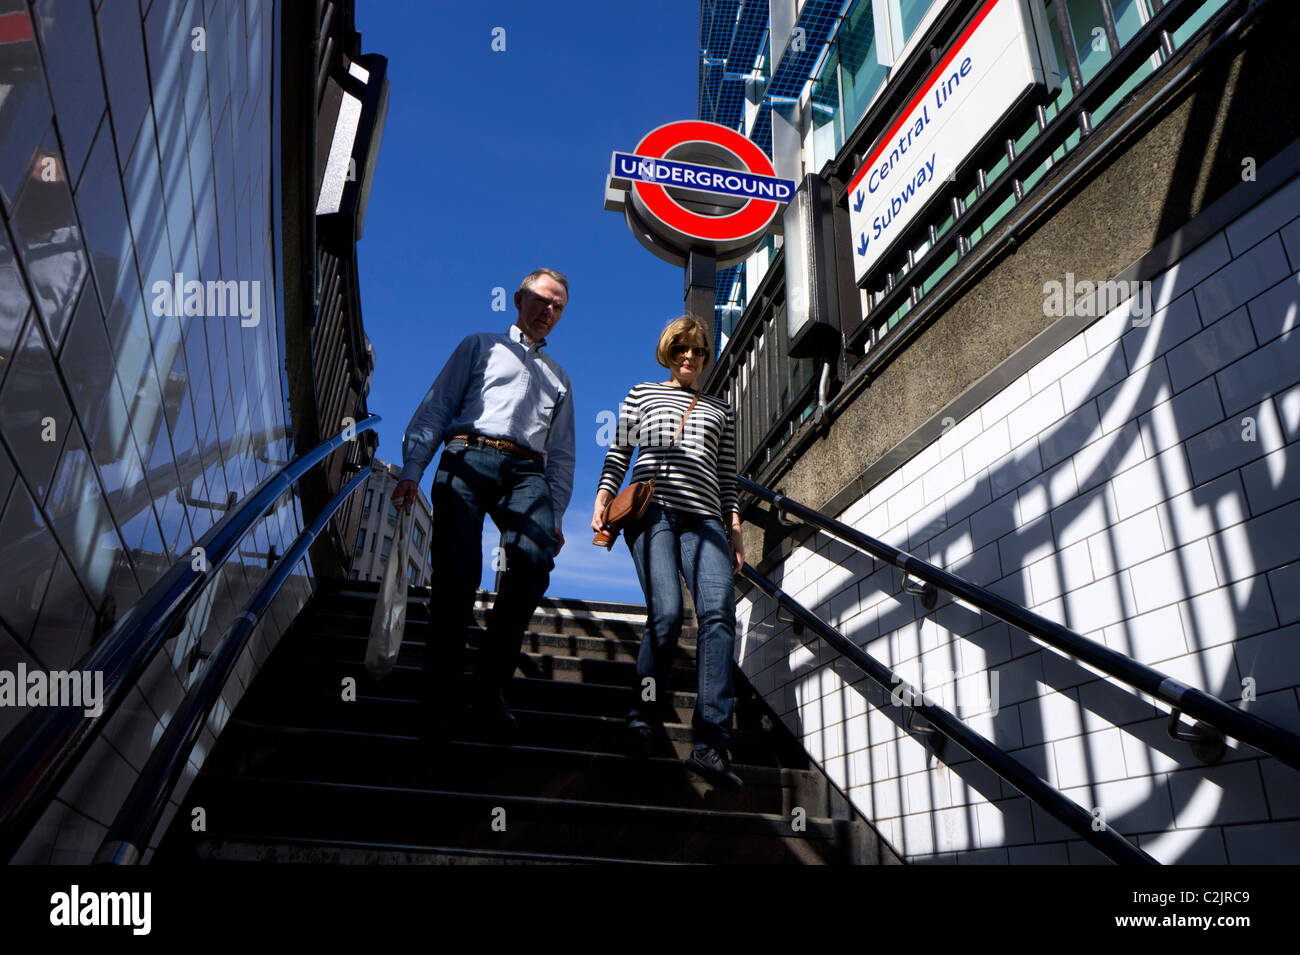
column 373, row 529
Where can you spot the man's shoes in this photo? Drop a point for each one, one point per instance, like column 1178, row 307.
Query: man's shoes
column 492, row 715
column 714, row 766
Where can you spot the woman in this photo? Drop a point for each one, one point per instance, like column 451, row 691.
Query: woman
column 692, row 526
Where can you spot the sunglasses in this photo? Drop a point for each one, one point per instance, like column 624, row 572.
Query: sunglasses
column 677, row 351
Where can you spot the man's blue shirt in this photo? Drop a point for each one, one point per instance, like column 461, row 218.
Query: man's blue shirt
column 500, row 386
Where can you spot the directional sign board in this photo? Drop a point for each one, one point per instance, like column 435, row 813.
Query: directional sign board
column 986, row 73
column 697, row 186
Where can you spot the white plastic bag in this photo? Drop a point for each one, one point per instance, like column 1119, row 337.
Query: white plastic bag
column 389, row 621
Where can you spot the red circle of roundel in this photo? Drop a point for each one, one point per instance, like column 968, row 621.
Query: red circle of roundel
column 748, row 219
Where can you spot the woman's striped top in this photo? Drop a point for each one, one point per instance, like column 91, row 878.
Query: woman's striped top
column 696, row 474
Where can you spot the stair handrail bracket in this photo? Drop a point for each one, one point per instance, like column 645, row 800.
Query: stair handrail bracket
column 40, row 753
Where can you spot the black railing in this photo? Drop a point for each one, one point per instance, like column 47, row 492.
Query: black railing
column 40, row 753
column 128, row 836
column 1105, row 839
column 1218, row 718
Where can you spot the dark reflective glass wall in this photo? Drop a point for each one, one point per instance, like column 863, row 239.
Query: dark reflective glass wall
column 140, row 342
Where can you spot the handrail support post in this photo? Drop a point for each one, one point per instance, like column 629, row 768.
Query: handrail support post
column 1207, row 743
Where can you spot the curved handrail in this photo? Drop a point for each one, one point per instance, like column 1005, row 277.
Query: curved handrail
column 39, row 754
column 1263, row 735
column 135, row 821
column 1106, row 840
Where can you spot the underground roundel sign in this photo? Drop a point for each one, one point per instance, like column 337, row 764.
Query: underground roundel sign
column 697, row 186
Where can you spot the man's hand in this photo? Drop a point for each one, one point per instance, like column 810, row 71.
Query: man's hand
column 404, row 494
column 559, row 541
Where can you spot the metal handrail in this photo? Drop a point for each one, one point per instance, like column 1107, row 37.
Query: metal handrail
column 40, row 753
column 135, row 821
column 1106, row 840
column 1222, row 717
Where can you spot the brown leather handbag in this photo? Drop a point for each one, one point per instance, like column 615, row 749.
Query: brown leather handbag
column 630, row 504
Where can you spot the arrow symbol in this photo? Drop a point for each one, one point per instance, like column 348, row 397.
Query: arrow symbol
column 861, row 198
column 862, row 246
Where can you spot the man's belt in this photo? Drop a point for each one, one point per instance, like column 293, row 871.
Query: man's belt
column 501, row 444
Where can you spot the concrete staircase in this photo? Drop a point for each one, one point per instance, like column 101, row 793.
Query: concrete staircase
column 301, row 775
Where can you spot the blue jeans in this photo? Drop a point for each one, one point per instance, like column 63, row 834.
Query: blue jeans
column 664, row 542
column 470, row 482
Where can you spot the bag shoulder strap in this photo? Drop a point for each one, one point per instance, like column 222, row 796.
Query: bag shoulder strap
column 682, row 424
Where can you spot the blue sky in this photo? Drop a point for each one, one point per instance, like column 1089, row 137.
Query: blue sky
column 493, row 164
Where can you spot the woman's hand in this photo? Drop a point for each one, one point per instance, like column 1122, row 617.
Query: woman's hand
column 737, row 548
column 603, row 498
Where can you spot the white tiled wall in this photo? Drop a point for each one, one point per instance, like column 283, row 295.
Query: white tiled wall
column 1140, row 485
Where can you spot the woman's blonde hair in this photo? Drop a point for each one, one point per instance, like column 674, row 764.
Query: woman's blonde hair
column 683, row 327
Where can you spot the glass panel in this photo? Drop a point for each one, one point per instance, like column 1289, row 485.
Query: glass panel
column 103, row 215
column 28, row 550
column 32, row 393
column 1067, row 91
column 1090, row 40
column 827, row 134
column 13, row 304
column 1197, row 20
column 1130, row 16
column 67, row 35
column 910, row 13
column 938, row 274
column 25, row 110
column 859, row 54
column 49, row 242
column 122, row 39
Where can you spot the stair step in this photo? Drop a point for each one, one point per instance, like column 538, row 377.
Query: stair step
column 240, row 848
column 380, row 759
column 405, row 683
column 578, row 731
column 345, row 637
column 262, row 808
column 406, row 672
column 299, row 774
column 544, row 619
column 370, row 589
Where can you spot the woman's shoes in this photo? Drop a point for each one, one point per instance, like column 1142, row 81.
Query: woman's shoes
column 714, row 766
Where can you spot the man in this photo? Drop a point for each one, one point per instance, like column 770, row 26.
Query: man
column 505, row 409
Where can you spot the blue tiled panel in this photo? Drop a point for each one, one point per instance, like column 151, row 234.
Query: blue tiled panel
column 815, row 20
column 751, row 32
column 761, row 134
column 722, row 28
column 731, row 103
column 738, row 44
